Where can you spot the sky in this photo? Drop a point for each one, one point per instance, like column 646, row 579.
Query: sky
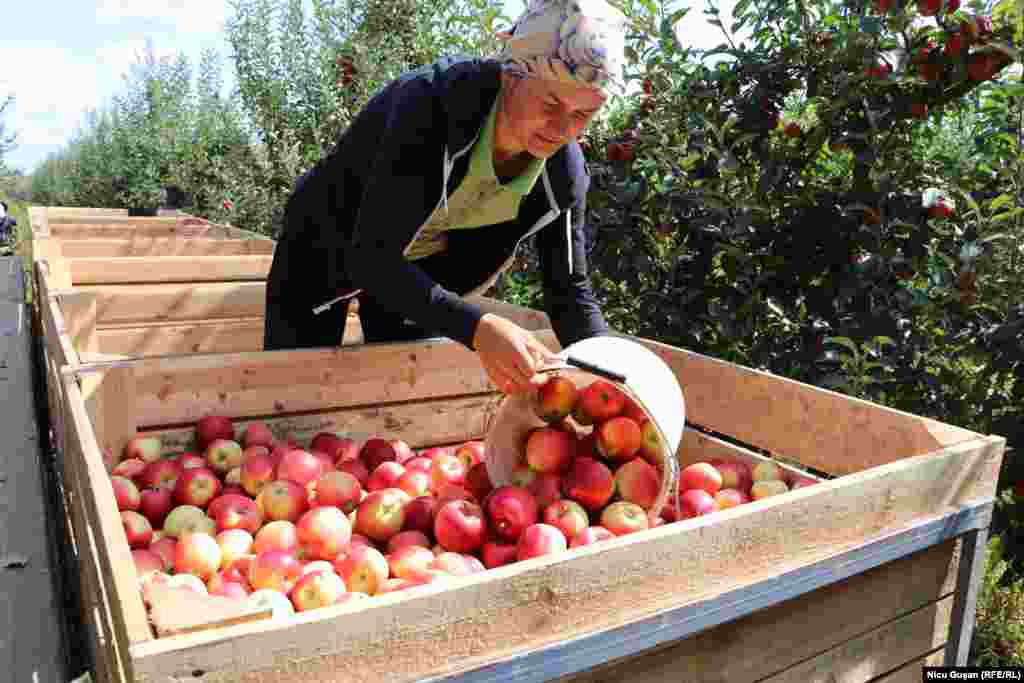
column 62, row 58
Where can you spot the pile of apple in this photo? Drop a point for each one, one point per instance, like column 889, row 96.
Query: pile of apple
column 297, row 527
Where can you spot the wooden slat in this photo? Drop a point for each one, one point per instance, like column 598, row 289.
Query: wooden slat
column 181, row 610
column 39, row 222
column 698, row 447
column 165, row 246
column 518, row 608
column 79, row 311
column 183, row 338
column 166, row 302
column 156, row 269
column 109, row 399
column 65, row 220
column 55, row 332
column 126, row 231
column 114, row 556
column 912, row 671
column 802, row 636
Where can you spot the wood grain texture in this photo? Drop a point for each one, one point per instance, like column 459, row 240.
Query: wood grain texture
column 175, row 611
column 156, row 269
column 911, row 672
column 164, row 246
column 122, row 304
column 521, row 607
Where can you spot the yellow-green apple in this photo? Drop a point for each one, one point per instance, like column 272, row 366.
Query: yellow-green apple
column 197, row 554
column 324, row 532
column 126, row 493
column 377, row 450
column 419, row 514
column 164, row 548
column 299, row 466
column 728, row 498
column 317, row 589
column 618, row 439
column 407, row 537
column 637, row 482
column 555, row 399
column 471, row 453
column 546, row 489
column 189, row 460
column 460, row 526
column 282, row 500
column 735, row 475
column 446, row 469
column 363, row 567
column 278, row 535
column 567, row 516
column 386, row 476
column 766, row 471
column 498, row 553
column 696, row 502
column 623, row 517
column 257, row 434
column 700, row 475
column 187, row 518
column 234, row 543
column 340, row 489
column 197, row 486
column 592, row 534
column 510, row 509
column 274, row 569
column 161, row 473
column 478, row 481
column 130, row 468
column 381, row 514
column 146, row 561
column 540, row 539
column 257, row 471
column 144, row 448
column 767, row 487
column 549, row 450
column 651, row 447
column 275, row 600
column 601, row 400
column 357, row 468
column 209, row 428
column 407, row 562
column 420, row 463
column 137, row 529
column 589, row 482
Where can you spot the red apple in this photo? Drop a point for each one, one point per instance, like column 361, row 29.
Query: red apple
column 540, row 539
column 236, row 512
column 144, row 448
column 197, row 554
column 126, row 493
column 696, row 502
column 257, row 434
column 727, row 498
column 419, row 463
column 408, row 561
column 618, row 439
column 419, row 514
column 589, row 482
column 459, row 526
column 386, row 476
column 471, row 453
column 130, row 469
column 651, row 446
column 453, row 492
column 457, row 564
column 357, row 468
column 324, row 532
column 555, row 399
column 407, row 537
column 592, row 534
column 317, row 589
column 344, row 450
column 277, row 535
column 523, row 475
column 326, row 462
column 217, row 583
column 478, row 481
column 622, row 517
column 498, row 553
column 282, row 499
column 161, row 473
column 403, row 452
column 299, row 466
column 545, row 489
column 257, row 470
column 700, row 475
column 567, row 516
column 446, row 469
column 234, row 543
column 339, row 489
column 363, row 567
column 326, row 442
column 381, row 514
column 274, row 569
column 377, row 450
column 586, row 446
column 637, row 482
column 510, row 509
column 146, row 561
column 190, row 460
column 601, row 400
column 197, row 486
column 213, row 427
column 633, row 411
column 735, row 475
column 137, row 529
column 548, row 450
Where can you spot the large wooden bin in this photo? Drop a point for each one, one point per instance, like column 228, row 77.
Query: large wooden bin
column 865, row 576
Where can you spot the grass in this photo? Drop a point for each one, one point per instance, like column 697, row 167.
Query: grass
column 22, row 241
column 999, row 622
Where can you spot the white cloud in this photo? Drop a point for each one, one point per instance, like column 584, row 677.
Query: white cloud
column 185, row 15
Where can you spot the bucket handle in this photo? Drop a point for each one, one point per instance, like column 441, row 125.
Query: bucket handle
column 592, row 368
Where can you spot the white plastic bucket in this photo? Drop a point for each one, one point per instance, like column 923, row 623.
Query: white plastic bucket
column 633, row 369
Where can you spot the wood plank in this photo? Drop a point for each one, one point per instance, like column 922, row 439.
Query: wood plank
column 801, row 636
column 175, row 611
column 54, row 328
column 68, row 220
column 79, row 311
column 46, row 249
column 115, row 560
column 183, row 338
column 165, row 246
column 39, row 222
column 121, row 304
column 421, row 424
column 518, row 608
column 109, row 399
column 156, row 269
column 125, row 230
column 912, row 671
column 698, row 447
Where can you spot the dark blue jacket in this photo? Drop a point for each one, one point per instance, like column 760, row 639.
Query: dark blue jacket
column 350, row 217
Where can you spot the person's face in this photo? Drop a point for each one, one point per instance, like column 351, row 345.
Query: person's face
column 539, row 115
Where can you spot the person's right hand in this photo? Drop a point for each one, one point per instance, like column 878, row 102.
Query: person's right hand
column 510, row 354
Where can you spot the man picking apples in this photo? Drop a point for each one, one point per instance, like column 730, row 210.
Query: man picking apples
column 431, row 190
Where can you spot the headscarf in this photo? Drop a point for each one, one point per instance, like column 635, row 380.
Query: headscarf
column 580, row 41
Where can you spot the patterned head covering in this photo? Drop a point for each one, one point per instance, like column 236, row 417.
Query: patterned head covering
column 568, row 40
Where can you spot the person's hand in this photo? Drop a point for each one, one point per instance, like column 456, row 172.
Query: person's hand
column 510, row 354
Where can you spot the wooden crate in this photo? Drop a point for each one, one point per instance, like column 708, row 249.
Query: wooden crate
column 863, row 577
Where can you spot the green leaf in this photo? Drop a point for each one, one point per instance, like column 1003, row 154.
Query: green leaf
column 1000, row 201
column 1007, row 215
column 845, row 342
